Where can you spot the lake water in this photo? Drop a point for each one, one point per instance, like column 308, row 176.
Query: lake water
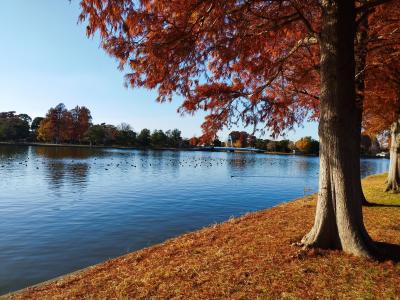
column 62, row 209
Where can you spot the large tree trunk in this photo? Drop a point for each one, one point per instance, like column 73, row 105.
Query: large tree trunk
column 339, row 221
column 393, row 180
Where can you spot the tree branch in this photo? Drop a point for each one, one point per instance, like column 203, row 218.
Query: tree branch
column 304, row 19
column 370, row 4
column 308, row 40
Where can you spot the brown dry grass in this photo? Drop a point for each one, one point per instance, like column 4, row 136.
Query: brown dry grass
column 245, row 258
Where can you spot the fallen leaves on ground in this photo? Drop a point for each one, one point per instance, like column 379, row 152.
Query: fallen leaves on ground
column 251, row 257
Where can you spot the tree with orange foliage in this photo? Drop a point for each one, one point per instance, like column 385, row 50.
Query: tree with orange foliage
column 239, row 139
column 377, row 49
column 81, row 122
column 376, row 28
column 303, row 144
column 382, row 86
column 307, row 145
column 194, row 141
column 266, row 63
column 56, row 127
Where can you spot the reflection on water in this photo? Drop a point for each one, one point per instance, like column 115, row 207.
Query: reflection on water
column 76, row 173
column 63, row 163
column 239, row 163
column 62, row 209
column 64, row 152
column 305, row 165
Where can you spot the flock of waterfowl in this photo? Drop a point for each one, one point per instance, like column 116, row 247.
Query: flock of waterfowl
column 108, row 161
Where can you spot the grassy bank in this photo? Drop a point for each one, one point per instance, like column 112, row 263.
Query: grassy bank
column 250, row 257
column 373, row 187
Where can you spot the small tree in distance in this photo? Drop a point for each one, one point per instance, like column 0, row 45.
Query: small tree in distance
column 125, row 135
column 81, row 122
column 143, row 138
column 57, row 126
column 36, row 124
column 194, row 141
column 14, row 127
column 307, row 145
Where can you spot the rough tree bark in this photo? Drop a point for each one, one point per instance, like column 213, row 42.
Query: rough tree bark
column 361, row 49
column 393, row 179
column 339, row 220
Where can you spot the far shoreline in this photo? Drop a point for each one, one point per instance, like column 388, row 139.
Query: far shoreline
column 204, row 149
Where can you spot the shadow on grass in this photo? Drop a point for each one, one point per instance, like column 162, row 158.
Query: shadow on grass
column 388, row 251
column 370, row 204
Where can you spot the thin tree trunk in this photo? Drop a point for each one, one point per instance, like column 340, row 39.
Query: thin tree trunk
column 393, row 179
column 339, row 221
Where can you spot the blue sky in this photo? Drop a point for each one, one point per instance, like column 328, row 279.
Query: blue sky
column 46, row 59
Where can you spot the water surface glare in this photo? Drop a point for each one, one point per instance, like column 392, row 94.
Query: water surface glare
column 62, row 209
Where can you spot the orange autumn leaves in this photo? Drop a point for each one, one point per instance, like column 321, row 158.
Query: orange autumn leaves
column 61, row 125
column 382, row 80
column 252, row 62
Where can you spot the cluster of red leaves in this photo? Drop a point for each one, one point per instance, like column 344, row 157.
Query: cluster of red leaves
column 241, row 61
column 382, row 80
column 249, row 61
column 61, row 125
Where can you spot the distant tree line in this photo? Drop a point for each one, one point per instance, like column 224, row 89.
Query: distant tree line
column 75, row 126
column 105, row 134
column 14, row 127
column 306, row 145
